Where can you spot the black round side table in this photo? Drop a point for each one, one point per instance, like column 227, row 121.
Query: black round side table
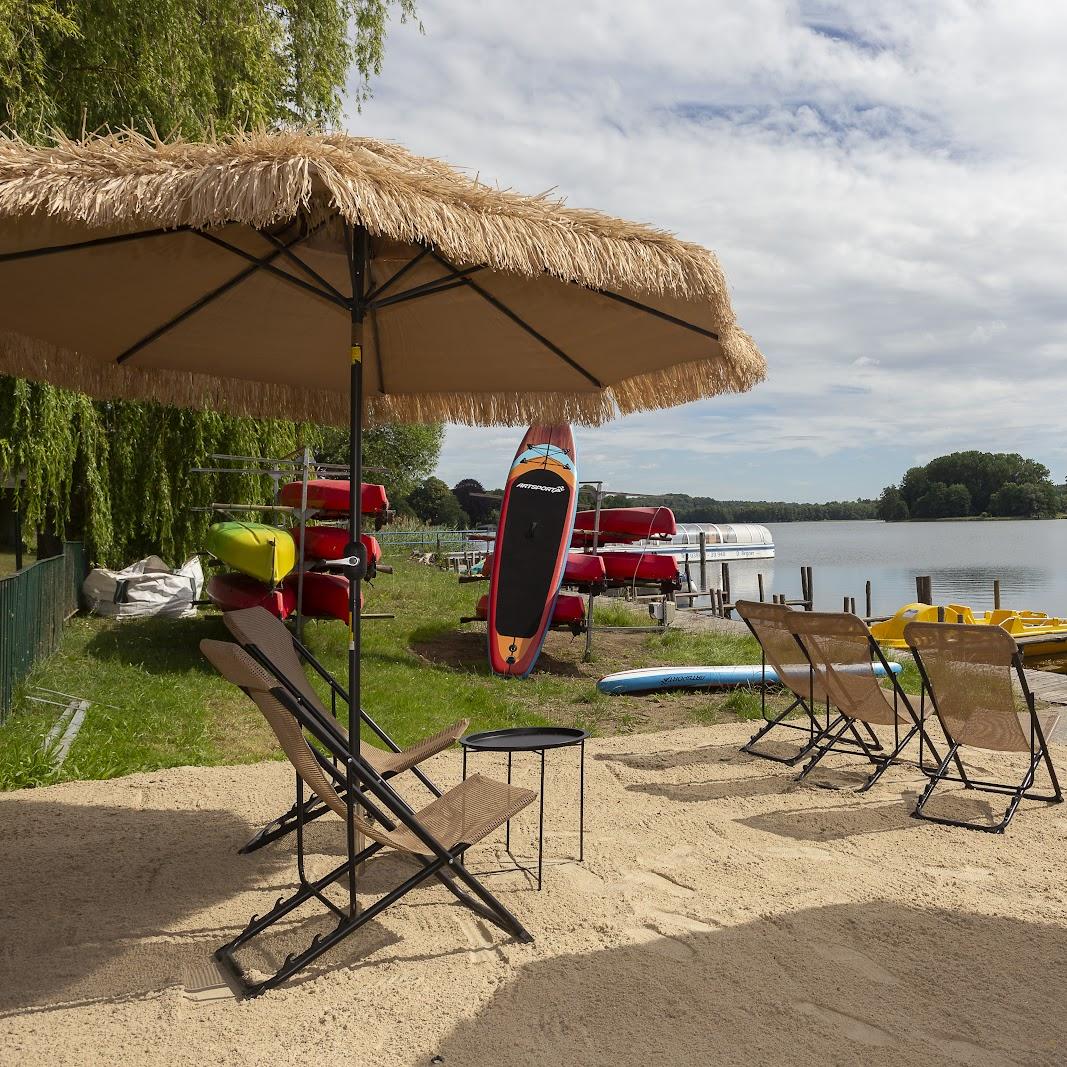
column 537, row 739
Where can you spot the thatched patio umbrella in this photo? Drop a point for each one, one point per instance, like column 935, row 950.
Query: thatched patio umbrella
column 336, row 278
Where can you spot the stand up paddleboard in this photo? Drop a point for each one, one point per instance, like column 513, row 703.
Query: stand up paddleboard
column 649, row 679
column 536, row 522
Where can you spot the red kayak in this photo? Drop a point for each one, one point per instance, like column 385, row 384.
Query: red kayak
column 231, row 592
column 581, row 568
column 328, row 542
column 325, row 595
column 640, row 567
column 633, row 523
column 569, row 610
column 331, row 494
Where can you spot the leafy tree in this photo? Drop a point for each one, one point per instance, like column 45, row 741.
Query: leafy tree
column 892, row 507
column 118, row 473
column 435, row 503
column 470, row 494
column 965, row 483
column 404, row 453
column 1030, row 500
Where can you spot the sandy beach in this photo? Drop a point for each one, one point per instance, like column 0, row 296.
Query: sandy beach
column 724, row 914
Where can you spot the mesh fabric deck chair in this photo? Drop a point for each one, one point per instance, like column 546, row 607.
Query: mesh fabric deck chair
column 844, row 654
column 967, row 670
column 770, row 625
column 269, row 641
column 435, row 837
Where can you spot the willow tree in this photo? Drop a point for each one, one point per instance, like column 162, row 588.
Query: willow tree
column 118, row 473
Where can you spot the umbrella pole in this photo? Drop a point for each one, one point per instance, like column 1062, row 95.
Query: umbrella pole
column 357, row 245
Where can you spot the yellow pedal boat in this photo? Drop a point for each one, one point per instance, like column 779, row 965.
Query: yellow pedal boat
column 1030, row 624
column 260, row 551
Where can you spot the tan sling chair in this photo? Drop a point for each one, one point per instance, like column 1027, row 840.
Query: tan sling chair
column 269, row 641
column 843, row 653
column 967, row 671
column 770, row 626
column 435, row 837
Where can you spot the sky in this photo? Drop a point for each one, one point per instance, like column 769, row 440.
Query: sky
column 883, row 184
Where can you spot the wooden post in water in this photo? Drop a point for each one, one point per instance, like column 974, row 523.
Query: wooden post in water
column 940, row 613
column 852, row 604
column 807, row 593
column 924, row 591
column 703, row 561
column 867, row 591
column 844, row 603
column 759, row 582
column 996, row 594
column 727, row 598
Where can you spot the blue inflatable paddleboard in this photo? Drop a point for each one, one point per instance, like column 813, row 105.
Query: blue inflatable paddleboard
column 649, row 679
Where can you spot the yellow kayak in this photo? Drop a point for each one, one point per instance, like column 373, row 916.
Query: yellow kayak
column 890, row 633
column 260, row 551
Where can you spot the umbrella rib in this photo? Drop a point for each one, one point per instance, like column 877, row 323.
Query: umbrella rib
column 398, row 275
column 659, row 314
column 96, row 242
column 264, row 263
column 522, row 323
column 438, row 285
column 300, row 264
column 206, row 299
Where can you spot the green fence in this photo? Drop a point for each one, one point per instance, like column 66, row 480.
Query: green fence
column 34, row 605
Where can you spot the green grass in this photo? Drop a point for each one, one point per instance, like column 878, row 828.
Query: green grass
column 7, row 561
column 155, row 702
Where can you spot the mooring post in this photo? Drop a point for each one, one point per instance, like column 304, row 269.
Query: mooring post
column 940, row 613
column 996, row 594
column 924, row 591
column 867, row 591
column 703, row 561
column 759, row 582
column 727, row 598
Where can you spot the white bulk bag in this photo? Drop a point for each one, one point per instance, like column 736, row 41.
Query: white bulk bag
column 147, row 587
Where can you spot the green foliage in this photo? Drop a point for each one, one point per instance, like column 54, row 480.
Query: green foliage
column 434, row 503
column 404, row 453
column 892, row 507
column 468, row 491
column 966, row 483
column 185, row 66
column 118, row 474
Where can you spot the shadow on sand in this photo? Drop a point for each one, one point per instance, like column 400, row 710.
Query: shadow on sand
column 847, row 984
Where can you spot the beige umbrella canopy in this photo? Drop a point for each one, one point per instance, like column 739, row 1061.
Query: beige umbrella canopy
column 220, row 275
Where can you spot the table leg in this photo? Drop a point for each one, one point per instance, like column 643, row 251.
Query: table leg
column 581, row 804
column 507, row 825
column 541, row 824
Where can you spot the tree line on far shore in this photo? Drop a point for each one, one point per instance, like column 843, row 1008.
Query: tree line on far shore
column 979, row 484
column 961, row 485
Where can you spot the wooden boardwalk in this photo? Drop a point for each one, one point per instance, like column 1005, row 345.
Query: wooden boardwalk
column 1051, row 688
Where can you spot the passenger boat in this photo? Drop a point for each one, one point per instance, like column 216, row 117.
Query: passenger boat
column 260, row 551
column 722, row 542
column 1020, row 624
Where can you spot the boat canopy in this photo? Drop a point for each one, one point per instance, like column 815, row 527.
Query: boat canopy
column 741, row 533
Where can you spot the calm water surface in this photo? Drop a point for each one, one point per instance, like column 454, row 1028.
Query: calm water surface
column 963, row 558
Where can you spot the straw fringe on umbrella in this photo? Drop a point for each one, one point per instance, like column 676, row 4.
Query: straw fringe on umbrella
column 123, row 182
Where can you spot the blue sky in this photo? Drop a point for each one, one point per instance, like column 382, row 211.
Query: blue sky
column 883, row 184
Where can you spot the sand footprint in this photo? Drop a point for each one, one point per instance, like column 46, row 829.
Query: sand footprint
column 858, row 962
column 854, row 1029
column 483, row 946
column 966, row 1052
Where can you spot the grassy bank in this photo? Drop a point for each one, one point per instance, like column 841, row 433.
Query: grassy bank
column 156, row 703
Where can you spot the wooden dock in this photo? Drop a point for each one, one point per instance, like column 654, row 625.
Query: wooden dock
column 1049, row 688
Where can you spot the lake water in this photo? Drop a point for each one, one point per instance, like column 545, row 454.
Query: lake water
column 962, row 558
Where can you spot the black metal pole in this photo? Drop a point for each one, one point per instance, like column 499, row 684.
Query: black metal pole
column 357, row 244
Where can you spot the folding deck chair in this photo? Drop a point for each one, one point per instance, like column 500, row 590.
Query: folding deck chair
column 436, row 837
column 270, row 643
column 841, row 650
column 770, row 626
column 967, row 671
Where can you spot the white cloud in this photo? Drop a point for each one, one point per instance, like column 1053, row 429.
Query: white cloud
column 883, row 184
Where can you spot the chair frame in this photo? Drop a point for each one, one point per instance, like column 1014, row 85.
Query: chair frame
column 815, row 730
column 1023, row 791
column 880, row 759
column 386, row 808
column 311, row 807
